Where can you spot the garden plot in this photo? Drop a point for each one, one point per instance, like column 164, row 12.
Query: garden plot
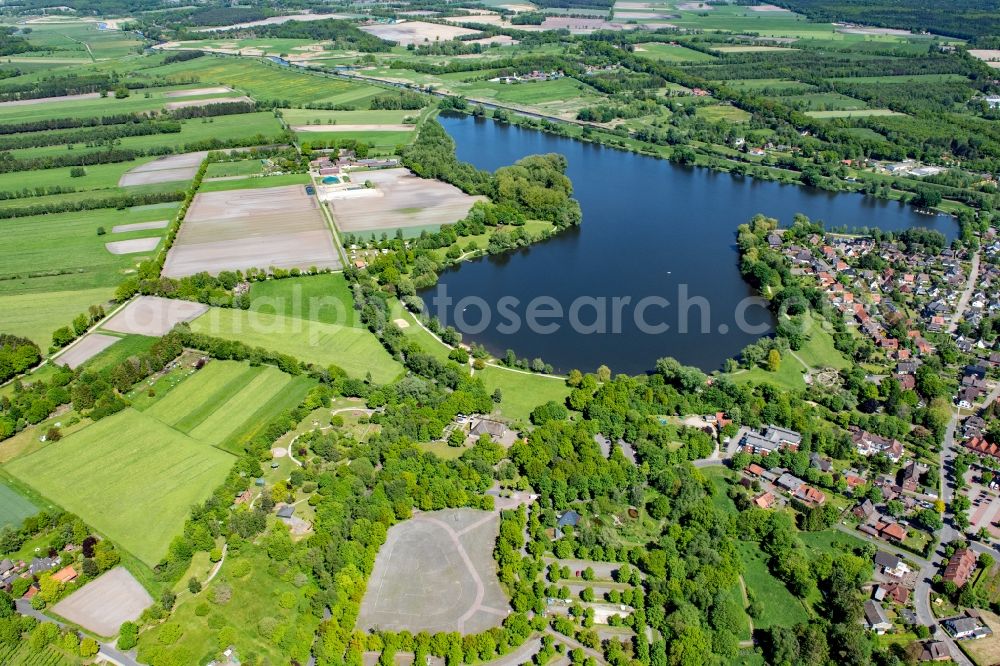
column 103, row 604
column 401, row 199
column 153, row 316
column 416, row 32
column 85, row 349
column 239, row 229
column 164, row 170
column 205, row 102
column 435, row 572
column 139, row 226
column 133, row 246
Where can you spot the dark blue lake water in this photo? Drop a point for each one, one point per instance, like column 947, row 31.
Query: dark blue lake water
column 658, row 237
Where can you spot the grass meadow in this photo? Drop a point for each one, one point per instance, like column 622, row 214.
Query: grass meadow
column 354, row 349
column 226, row 402
column 258, row 591
column 36, row 315
column 668, row 53
column 120, row 472
column 779, row 606
column 522, row 391
column 14, row 507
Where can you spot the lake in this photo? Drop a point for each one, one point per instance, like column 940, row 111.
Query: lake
column 652, row 271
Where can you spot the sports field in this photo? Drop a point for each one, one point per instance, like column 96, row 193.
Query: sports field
column 130, row 476
column 14, row 507
column 355, row 350
column 435, row 572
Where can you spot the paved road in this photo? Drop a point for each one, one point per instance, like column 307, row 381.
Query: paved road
column 963, row 300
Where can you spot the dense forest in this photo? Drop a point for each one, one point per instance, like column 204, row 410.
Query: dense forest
column 956, row 18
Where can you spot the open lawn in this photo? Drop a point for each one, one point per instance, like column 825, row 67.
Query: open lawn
column 355, row 350
column 726, row 112
column 14, row 507
column 522, row 391
column 779, row 607
column 119, row 472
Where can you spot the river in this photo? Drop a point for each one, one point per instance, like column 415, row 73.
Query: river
column 651, row 272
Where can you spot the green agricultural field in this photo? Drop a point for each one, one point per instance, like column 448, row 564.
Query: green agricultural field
column 355, row 350
column 226, row 402
column 64, row 251
column 779, row 606
column 255, row 183
column 81, row 38
column 522, row 391
column 138, row 101
column 296, row 117
column 127, row 346
column 241, row 168
column 268, row 81
column 727, row 112
column 784, row 85
column 860, row 113
column 668, row 53
column 97, row 177
column 825, row 101
column 324, row 298
column 36, row 315
column 223, row 128
column 122, row 470
column 14, row 507
column 380, row 141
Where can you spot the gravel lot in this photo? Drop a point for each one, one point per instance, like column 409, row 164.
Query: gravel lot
column 436, row 572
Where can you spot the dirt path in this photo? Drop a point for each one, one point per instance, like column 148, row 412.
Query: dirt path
column 218, row 565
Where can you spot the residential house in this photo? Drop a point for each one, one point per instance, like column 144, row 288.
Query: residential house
column 894, row 592
column 810, row 495
column 569, row 519
column 982, row 447
column 934, row 651
column 962, row 627
column 820, row 463
column 869, row 444
column 875, row 618
column 910, row 477
column 890, row 531
column 960, row 567
column 755, row 470
column 765, row 500
column 891, row 565
column 864, row 510
column 789, row 482
column 40, row 565
column 65, row 575
column 494, row 429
